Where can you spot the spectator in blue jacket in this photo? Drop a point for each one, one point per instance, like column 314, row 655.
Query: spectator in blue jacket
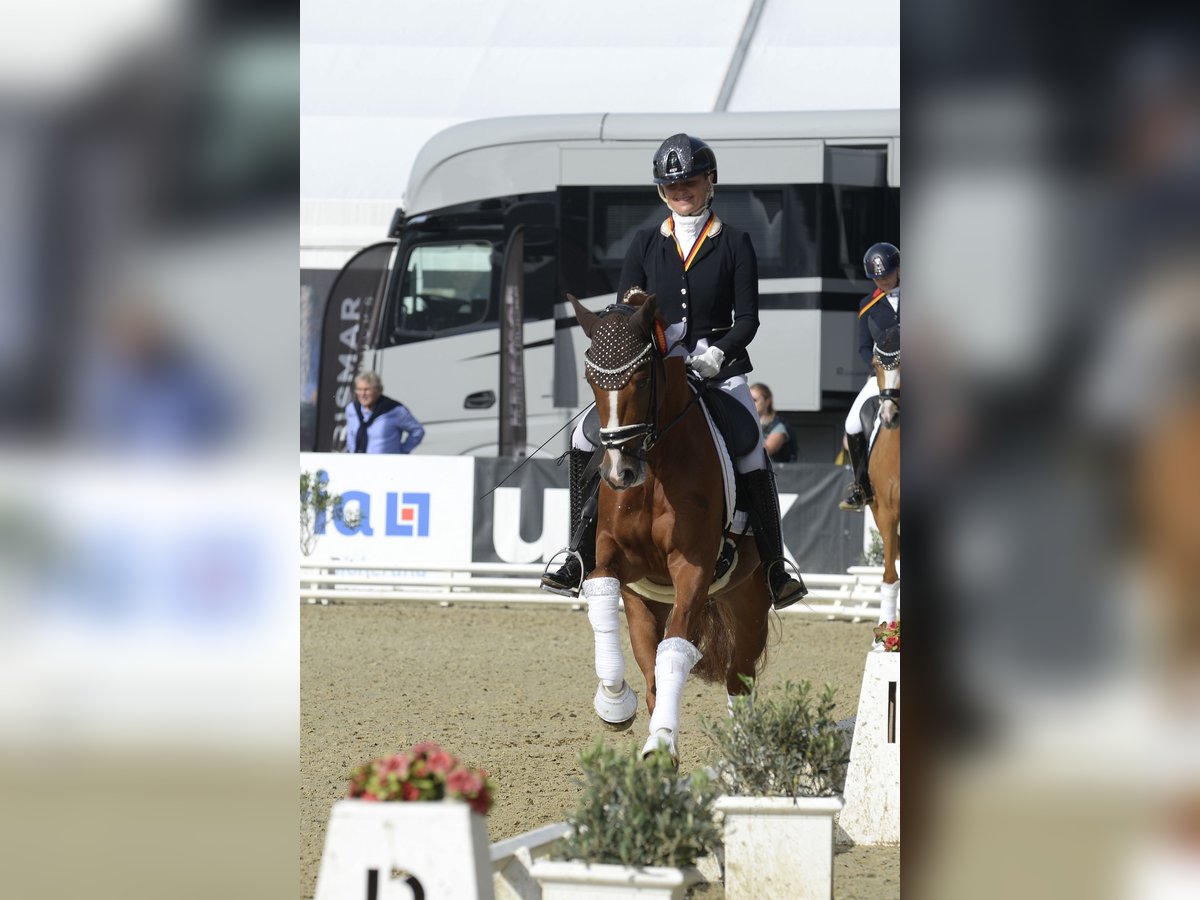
column 379, row 424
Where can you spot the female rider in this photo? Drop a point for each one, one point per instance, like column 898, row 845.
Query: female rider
column 705, row 276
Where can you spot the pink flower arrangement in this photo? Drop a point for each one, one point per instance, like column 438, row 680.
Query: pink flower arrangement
column 425, row 772
column 888, row 633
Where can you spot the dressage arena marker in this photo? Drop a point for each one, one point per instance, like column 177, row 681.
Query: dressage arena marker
column 380, row 851
column 872, row 812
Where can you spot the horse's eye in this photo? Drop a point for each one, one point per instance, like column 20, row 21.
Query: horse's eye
column 642, row 383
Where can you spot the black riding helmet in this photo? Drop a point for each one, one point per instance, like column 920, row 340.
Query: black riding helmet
column 681, row 157
column 881, row 260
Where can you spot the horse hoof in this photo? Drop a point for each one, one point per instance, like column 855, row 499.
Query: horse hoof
column 662, row 739
column 616, row 708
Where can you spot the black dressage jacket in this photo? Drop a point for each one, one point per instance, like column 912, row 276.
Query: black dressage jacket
column 875, row 316
column 716, row 298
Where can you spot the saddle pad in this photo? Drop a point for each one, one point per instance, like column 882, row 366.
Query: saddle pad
column 736, row 520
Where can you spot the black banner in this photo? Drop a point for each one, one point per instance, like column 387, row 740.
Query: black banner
column 525, row 520
column 344, row 338
column 512, row 352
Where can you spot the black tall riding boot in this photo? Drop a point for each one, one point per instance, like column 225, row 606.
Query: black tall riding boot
column 859, row 493
column 582, row 549
column 768, row 536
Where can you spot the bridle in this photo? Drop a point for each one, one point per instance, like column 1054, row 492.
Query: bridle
column 888, row 361
column 618, row 377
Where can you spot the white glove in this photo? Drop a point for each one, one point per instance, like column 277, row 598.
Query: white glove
column 708, row 363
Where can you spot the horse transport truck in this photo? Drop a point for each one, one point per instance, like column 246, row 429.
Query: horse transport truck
column 461, row 308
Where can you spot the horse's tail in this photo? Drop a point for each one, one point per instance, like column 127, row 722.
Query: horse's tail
column 718, row 640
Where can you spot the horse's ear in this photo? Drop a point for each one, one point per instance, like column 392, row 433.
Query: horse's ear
column 643, row 319
column 587, row 318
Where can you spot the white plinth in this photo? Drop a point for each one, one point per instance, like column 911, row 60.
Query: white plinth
column 872, row 813
column 385, row 850
column 779, row 847
column 569, row 880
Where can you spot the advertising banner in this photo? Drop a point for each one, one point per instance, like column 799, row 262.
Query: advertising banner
column 412, row 510
column 525, row 520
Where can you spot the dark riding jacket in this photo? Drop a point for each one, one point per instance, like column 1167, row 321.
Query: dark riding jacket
column 875, row 316
column 716, row 298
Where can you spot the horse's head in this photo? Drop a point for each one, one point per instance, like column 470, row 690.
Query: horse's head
column 887, row 372
column 623, row 366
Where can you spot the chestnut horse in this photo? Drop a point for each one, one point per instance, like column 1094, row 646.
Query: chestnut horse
column 659, row 527
column 884, row 466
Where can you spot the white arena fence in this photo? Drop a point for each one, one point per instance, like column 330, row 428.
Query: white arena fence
column 854, row 595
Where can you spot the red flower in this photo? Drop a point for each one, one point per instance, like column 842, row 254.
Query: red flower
column 482, row 803
column 398, row 763
column 441, row 762
column 409, row 791
column 464, row 782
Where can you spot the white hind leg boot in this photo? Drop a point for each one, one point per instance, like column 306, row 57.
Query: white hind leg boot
column 889, row 602
column 603, row 597
column 672, row 664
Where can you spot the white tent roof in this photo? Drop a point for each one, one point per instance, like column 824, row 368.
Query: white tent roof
column 380, row 77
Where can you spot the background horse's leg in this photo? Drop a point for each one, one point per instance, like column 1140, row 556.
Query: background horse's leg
column 750, row 632
column 889, row 591
column 615, row 702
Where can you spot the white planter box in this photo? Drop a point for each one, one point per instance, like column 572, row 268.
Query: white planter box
column 386, row 849
column 779, row 847
column 571, row 880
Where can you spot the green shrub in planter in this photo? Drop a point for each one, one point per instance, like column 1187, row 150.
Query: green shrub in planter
column 637, row 812
column 784, row 744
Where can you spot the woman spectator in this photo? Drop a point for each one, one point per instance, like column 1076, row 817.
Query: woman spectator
column 777, row 437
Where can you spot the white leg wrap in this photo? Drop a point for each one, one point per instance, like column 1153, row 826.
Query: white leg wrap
column 889, row 601
column 672, row 664
column 603, row 597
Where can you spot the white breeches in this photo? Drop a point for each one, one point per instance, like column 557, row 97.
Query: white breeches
column 853, row 419
column 736, row 385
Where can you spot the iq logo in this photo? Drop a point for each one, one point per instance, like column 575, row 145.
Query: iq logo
column 406, row 515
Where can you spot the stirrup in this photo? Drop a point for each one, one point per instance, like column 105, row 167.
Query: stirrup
column 549, row 579
column 855, row 499
column 778, row 602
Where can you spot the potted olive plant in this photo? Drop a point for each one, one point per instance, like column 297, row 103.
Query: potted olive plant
column 780, row 761
column 637, row 832
column 418, row 817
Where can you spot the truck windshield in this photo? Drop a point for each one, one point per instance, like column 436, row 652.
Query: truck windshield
column 445, row 288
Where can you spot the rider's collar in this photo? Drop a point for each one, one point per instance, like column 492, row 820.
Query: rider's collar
column 665, row 228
